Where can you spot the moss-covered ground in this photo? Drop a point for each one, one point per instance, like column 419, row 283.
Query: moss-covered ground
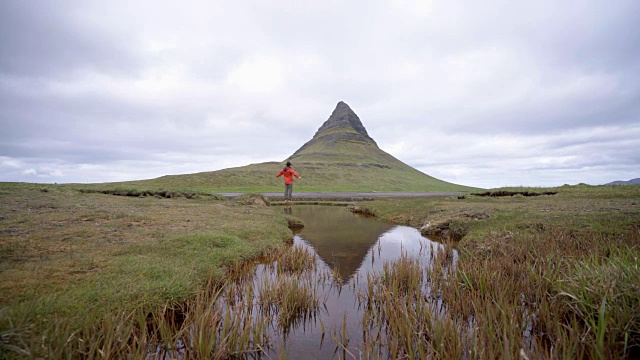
column 70, row 259
column 67, row 256
column 605, row 209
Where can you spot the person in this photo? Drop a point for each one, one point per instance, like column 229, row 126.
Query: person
column 288, row 173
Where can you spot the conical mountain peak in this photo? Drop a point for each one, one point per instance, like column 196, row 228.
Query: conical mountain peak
column 343, row 120
column 342, row 127
column 340, row 157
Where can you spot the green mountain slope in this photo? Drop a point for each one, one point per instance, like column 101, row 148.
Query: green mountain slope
column 341, row 156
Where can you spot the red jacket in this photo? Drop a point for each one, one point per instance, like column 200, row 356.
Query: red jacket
column 288, row 175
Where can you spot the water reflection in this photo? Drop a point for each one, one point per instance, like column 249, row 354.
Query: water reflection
column 287, row 308
column 341, row 239
column 355, row 246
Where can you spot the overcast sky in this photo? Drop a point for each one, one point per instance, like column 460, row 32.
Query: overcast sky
column 483, row 93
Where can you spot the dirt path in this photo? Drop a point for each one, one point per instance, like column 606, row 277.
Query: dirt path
column 349, row 195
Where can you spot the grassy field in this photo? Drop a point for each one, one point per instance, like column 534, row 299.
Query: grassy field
column 326, row 166
column 316, row 176
column 68, row 258
column 547, row 277
column 552, row 276
column 605, row 209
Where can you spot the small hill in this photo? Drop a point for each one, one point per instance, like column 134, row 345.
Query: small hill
column 628, row 182
column 341, row 156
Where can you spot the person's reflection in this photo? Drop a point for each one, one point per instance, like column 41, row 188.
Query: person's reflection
column 288, row 210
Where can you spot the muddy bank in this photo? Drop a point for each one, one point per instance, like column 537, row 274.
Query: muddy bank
column 362, row 211
column 513, row 193
column 447, row 230
column 441, row 228
column 318, row 200
column 166, row 194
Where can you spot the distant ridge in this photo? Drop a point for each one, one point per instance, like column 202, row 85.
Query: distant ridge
column 341, row 156
column 635, row 181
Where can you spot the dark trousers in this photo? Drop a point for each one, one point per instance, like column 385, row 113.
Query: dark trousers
column 288, row 190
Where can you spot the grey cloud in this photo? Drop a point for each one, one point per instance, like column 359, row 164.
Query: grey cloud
column 563, row 114
column 474, row 71
column 575, row 33
column 40, row 38
column 558, row 43
column 101, row 130
column 592, row 34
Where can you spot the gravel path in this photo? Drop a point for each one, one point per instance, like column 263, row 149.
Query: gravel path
column 349, row 195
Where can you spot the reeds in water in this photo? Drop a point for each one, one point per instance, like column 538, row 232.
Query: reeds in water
column 554, row 294
column 290, row 299
column 296, row 260
column 399, row 320
column 544, row 295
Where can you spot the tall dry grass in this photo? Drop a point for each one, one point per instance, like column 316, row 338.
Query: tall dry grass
column 547, row 295
column 237, row 318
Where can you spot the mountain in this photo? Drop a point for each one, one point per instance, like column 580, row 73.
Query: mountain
column 342, row 131
column 343, row 145
column 341, row 156
column 628, row 182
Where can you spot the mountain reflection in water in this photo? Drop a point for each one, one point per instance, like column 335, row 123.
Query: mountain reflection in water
column 355, row 246
column 341, row 239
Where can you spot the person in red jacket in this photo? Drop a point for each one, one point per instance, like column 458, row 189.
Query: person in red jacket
column 288, row 180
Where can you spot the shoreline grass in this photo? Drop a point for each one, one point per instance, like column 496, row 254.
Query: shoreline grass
column 535, row 296
column 537, row 277
column 604, row 209
column 70, row 259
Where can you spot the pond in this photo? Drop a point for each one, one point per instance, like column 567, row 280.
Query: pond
column 349, row 247
column 331, row 295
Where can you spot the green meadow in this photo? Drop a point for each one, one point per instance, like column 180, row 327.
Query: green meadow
column 316, row 176
column 69, row 258
column 81, row 273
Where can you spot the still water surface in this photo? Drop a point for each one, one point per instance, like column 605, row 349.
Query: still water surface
column 353, row 246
